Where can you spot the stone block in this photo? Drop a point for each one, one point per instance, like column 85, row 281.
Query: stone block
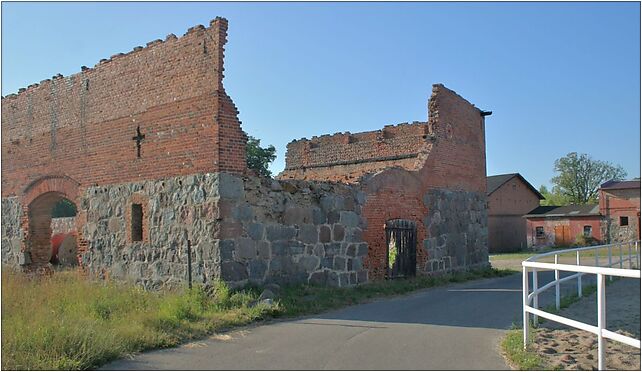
column 264, row 249
column 257, row 269
column 362, row 276
column 255, row 231
column 279, row 232
column 297, row 216
column 354, row 235
column 318, row 278
column 349, row 219
column 362, row 249
column 327, row 262
column 233, row 271
column 230, row 186
column 243, row 212
column 333, row 217
column 338, row 232
column 324, row 234
column 332, row 248
column 280, row 248
column 352, row 250
column 332, row 279
column 318, row 216
column 226, row 248
column 246, row 248
column 230, row 230
column 339, row 263
column 308, row 234
column 309, row 263
column 319, row 250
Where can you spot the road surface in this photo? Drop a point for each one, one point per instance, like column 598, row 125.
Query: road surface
column 453, row 327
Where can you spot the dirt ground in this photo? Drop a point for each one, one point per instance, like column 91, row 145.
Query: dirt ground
column 571, row 349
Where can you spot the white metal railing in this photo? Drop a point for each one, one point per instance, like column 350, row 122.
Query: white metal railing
column 607, row 269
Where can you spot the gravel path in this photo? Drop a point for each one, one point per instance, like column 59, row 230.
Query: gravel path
column 573, row 349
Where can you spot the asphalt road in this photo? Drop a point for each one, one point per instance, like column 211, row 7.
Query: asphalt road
column 457, row 327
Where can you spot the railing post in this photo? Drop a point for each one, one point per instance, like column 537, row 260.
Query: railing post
column 601, row 321
column 610, row 262
column 557, row 285
column 525, row 303
column 535, row 296
column 597, row 257
column 637, row 254
column 630, row 258
column 579, row 277
column 620, row 246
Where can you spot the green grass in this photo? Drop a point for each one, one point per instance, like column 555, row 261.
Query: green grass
column 65, row 321
column 304, row 299
column 524, row 360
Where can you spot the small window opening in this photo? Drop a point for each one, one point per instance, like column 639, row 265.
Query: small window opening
column 624, row 221
column 137, row 222
column 539, row 231
column 588, row 231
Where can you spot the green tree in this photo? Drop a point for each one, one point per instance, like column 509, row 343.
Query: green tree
column 64, row 208
column 579, row 177
column 551, row 198
column 259, row 158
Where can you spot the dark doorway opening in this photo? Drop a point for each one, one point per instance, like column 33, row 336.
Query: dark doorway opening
column 401, row 243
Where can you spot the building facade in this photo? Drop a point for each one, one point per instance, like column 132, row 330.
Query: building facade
column 510, row 197
column 620, row 206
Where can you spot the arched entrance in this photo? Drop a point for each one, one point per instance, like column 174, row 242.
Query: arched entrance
column 43, row 247
column 43, row 199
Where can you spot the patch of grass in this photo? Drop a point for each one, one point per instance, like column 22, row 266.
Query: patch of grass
column 66, row 321
column 305, row 299
column 524, row 360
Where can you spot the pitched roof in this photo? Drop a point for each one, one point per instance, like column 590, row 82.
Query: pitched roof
column 495, row 182
column 565, row 211
column 613, row 184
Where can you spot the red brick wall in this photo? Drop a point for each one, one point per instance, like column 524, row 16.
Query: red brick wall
column 82, row 126
column 391, row 195
column 346, row 157
column 448, row 151
column 458, row 158
column 575, row 224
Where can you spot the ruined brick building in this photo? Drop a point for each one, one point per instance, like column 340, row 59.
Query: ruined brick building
column 148, row 147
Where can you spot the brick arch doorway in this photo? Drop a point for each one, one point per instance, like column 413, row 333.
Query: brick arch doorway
column 39, row 199
column 42, row 249
column 401, row 243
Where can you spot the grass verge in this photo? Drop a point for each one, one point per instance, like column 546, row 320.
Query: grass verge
column 524, row 360
column 68, row 322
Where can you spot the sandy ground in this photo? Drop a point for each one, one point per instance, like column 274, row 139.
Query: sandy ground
column 572, row 349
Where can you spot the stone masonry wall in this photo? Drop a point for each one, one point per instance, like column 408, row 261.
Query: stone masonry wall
column 12, row 234
column 63, row 225
column 174, row 210
column 242, row 230
column 290, row 232
column 457, row 230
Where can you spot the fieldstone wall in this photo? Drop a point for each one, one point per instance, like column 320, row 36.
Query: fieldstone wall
column 242, row 230
column 290, row 232
column 12, row 234
column 457, row 230
column 63, row 225
column 174, row 210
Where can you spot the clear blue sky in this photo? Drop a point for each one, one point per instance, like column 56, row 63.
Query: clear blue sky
column 559, row 77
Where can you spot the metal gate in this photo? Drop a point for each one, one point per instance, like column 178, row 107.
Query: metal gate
column 401, row 241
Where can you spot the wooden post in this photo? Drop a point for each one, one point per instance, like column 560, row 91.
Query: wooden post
column 189, row 264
